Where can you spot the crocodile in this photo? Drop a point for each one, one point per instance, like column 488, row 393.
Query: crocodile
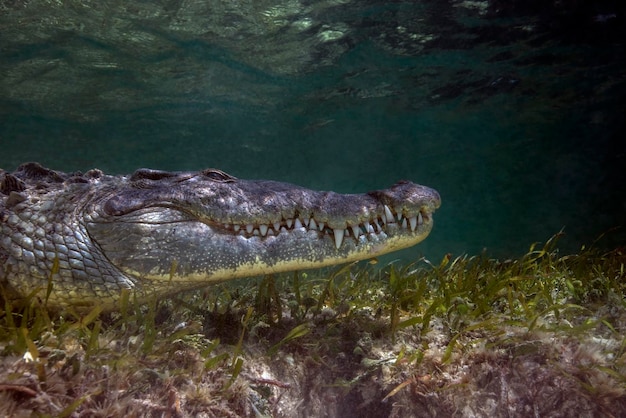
column 81, row 239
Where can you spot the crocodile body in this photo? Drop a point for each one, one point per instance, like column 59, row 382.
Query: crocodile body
column 79, row 239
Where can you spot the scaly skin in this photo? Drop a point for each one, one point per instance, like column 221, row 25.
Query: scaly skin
column 156, row 233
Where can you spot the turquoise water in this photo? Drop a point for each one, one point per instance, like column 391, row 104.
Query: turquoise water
column 514, row 113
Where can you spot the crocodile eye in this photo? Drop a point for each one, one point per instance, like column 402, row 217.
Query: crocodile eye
column 217, row 175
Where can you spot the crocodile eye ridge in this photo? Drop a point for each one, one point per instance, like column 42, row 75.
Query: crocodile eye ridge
column 149, row 174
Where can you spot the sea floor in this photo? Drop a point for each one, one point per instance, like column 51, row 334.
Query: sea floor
column 542, row 336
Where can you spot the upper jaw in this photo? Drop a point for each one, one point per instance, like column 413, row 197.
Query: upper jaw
column 265, row 208
column 405, row 208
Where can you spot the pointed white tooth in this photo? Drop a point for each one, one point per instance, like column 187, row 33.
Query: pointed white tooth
column 263, row 229
column 356, row 231
column 312, row 224
column 283, row 229
column 389, row 215
column 370, row 228
column 289, row 223
column 276, row 226
column 306, row 222
column 413, row 222
column 297, row 224
column 237, row 227
column 377, row 226
column 321, row 226
column 398, row 213
column 420, row 220
column 255, row 232
column 249, row 228
column 338, row 237
column 404, row 225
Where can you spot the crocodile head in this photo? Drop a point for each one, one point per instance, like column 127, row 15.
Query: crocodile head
column 156, row 232
column 182, row 228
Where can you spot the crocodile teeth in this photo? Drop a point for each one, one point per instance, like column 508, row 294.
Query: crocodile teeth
column 338, row 237
column 373, row 226
column 389, row 215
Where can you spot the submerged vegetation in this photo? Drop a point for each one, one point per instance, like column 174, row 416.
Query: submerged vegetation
column 542, row 335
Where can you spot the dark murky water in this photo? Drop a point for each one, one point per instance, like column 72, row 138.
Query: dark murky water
column 513, row 110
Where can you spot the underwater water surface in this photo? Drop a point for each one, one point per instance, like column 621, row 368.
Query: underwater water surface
column 514, row 111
